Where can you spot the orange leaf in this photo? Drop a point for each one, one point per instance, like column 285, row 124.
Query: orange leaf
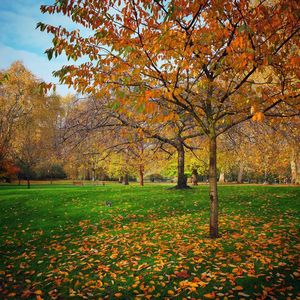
column 148, row 95
column 26, row 294
column 118, row 295
column 38, row 292
column 258, row 116
column 210, row 295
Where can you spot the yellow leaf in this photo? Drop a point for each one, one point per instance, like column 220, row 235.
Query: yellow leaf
column 99, row 283
column 114, row 256
column 11, row 294
column 171, row 293
column 38, row 292
column 238, row 288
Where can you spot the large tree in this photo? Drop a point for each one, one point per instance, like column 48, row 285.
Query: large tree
column 206, row 57
column 18, row 89
column 90, row 115
column 29, row 120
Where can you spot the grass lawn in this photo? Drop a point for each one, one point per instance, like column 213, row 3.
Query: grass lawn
column 61, row 242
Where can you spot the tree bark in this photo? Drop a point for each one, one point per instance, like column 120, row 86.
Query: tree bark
column 28, row 182
column 266, row 176
column 88, row 174
column 213, row 190
column 181, row 178
column 240, row 174
column 141, row 175
column 194, row 177
column 126, row 179
column 295, row 167
column 222, row 177
column 94, row 174
column 121, row 179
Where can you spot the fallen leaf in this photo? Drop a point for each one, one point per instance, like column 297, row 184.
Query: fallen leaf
column 183, row 274
column 243, row 294
column 11, row 294
column 118, row 295
column 210, row 295
column 38, row 292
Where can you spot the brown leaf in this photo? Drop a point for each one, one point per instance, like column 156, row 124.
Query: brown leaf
column 183, row 274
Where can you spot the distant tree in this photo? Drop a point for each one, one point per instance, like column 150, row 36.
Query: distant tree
column 28, row 120
column 17, row 89
column 50, row 171
column 248, row 152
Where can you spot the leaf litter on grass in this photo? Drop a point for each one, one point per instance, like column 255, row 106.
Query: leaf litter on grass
column 140, row 250
column 159, row 257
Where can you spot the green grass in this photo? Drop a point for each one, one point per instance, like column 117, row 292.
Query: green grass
column 61, row 242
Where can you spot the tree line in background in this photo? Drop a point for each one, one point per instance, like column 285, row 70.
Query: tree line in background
column 54, row 137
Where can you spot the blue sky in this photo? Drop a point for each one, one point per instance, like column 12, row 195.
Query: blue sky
column 19, row 40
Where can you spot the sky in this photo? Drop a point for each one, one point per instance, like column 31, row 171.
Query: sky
column 19, row 40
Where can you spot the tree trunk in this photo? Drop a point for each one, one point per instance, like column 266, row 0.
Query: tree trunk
column 240, row 174
column 295, row 167
column 181, row 178
column 126, row 180
column 121, row 179
column 28, row 182
column 88, row 174
column 279, row 179
column 141, row 175
column 194, row 177
column 266, row 176
column 213, row 190
column 222, row 177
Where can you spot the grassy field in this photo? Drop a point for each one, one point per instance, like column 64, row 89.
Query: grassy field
column 61, row 242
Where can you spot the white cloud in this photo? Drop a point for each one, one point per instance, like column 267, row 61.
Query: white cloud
column 38, row 65
column 19, row 31
column 19, row 40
